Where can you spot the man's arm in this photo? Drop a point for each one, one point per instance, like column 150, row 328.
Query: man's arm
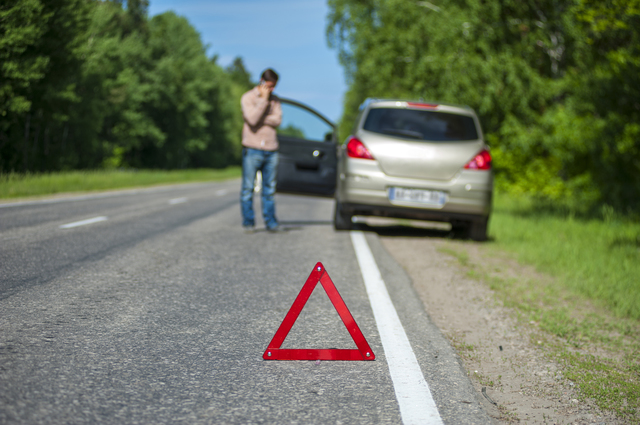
column 253, row 113
column 274, row 119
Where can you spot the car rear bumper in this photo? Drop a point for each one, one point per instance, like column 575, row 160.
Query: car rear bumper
column 364, row 190
column 411, row 214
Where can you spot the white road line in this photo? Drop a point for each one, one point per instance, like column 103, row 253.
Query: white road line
column 83, row 222
column 177, row 201
column 412, row 391
column 221, row 192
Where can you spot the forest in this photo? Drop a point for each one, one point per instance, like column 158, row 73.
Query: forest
column 97, row 84
column 556, row 84
column 88, row 84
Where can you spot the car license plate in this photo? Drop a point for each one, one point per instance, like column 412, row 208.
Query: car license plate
column 420, row 196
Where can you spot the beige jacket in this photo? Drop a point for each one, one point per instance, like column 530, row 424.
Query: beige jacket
column 261, row 117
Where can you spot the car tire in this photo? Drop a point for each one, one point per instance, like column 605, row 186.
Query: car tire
column 341, row 220
column 478, row 230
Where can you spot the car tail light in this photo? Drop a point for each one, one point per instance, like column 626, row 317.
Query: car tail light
column 481, row 161
column 356, row 149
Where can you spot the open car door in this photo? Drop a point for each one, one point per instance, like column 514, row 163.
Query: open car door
column 307, row 154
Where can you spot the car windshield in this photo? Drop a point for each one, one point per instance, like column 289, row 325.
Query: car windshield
column 417, row 124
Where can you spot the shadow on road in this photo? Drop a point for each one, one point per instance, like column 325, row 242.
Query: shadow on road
column 390, row 227
column 385, row 227
column 295, row 223
column 406, row 231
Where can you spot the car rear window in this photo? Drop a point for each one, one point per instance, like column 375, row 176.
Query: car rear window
column 419, row 124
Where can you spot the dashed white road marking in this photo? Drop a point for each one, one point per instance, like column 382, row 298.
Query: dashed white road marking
column 412, row 391
column 177, row 201
column 83, row 222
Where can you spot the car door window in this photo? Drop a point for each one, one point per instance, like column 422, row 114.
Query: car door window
column 304, row 125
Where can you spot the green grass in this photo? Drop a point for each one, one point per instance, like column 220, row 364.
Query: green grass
column 599, row 259
column 15, row 185
column 584, row 304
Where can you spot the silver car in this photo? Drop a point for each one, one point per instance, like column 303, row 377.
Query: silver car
column 415, row 160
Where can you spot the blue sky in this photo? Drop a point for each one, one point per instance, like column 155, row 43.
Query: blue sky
column 286, row 35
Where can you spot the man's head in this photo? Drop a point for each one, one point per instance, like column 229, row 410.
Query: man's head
column 270, row 75
column 269, row 78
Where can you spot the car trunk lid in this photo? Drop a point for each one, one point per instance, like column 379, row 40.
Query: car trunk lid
column 399, row 157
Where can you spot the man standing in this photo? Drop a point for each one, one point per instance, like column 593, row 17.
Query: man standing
column 262, row 113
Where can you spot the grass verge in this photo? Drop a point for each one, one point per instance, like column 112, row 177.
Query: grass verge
column 597, row 258
column 15, row 185
column 587, row 313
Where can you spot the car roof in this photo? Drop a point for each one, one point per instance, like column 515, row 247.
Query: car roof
column 411, row 103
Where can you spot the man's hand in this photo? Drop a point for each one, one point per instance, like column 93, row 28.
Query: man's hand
column 265, row 88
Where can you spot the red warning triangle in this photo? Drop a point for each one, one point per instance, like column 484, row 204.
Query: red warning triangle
column 274, row 352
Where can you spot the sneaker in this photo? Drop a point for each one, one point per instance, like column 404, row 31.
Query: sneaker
column 248, row 229
column 274, row 229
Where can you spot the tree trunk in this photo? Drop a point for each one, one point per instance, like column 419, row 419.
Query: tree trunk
column 46, row 140
column 25, row 147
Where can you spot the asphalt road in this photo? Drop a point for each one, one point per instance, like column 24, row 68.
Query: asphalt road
column 159, row 311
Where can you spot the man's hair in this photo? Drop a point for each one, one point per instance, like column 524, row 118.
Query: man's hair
column 270, row 75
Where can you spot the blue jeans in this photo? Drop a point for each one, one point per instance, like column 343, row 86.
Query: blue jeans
column 267, row 162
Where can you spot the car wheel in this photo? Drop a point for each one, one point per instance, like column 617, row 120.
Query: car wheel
column 341, row 220
column 478, row 230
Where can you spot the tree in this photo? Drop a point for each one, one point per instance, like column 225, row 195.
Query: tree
column 188, row 103
column 41, row 64
column 22, row 25
column 239, row 74
column 115, row 86
column 610, row 85
column 95, row 84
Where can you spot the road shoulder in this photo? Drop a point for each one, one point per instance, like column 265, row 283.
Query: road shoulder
column 498, row 352
column 453, row 393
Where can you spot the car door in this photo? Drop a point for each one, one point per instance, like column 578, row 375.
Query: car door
column 308, row 155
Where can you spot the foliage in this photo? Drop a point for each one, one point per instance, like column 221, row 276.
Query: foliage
column 22, row 25
column 239, row 74
column 41, row 63
column 555, row 83
column 292, row 130
column 94, row 84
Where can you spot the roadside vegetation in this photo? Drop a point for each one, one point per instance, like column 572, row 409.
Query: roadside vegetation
column 16, row 185
column 87, row 84
column 595, row 257
column 583, row 309
column 588, row 315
